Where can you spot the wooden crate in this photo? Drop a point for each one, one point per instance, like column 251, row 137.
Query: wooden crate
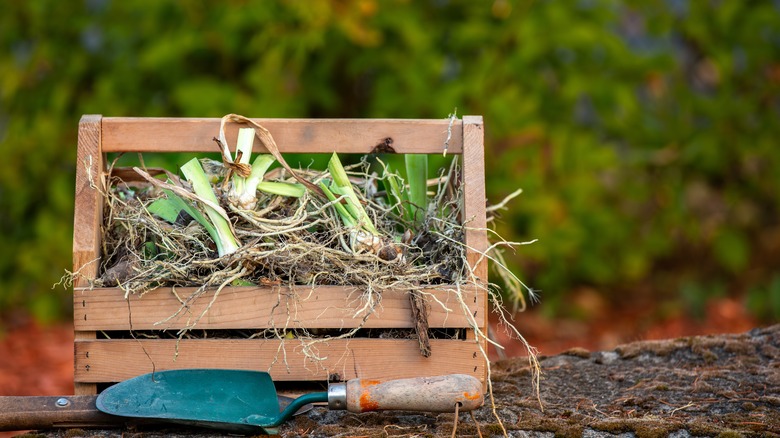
column 100, row 310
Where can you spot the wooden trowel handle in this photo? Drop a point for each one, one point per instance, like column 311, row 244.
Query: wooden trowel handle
column 47, row 412
column 429, row 394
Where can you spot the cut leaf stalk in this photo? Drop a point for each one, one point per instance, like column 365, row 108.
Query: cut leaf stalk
column 346, row 217
column 244, row 191
column 281, row 188
column 239, row 193
column 342, row 186
column 363, row 235
column 226, row 241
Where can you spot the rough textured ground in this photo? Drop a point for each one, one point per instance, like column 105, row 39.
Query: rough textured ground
column 726, row 386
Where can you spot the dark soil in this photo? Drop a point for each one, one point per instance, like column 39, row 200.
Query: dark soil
column 726, row 386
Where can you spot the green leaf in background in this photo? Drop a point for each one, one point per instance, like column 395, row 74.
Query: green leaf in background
column 417, row 174
column 732, row 251
column 763, row 301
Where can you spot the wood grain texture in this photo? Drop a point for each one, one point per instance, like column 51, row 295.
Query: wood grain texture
column 43, row 412
column 360, row 136
column 474, row 199
column 88, row 211
column 257, row 308
column 117, row 360
column 474, row 214
column 88, row 214
column 421, row 394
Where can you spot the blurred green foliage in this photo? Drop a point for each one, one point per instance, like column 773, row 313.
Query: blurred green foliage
column 645, row 134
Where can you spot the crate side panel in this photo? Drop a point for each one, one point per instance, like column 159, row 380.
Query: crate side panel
column 88, row 205
column 474, row 199
column 88, row 214
column 361, row 136
column 117, row 360
column 251, row 307
column 474, row 214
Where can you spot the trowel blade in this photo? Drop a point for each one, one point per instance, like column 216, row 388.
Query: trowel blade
column 235, row 400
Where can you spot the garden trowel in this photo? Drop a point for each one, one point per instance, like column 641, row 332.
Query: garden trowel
column 246, row 401
column 44, row 412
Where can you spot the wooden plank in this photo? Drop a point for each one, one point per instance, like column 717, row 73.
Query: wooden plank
column 128, row 134
column 88, row 208
column 474, row 216
column 117, row 360
column 263, row 307
column 88, row 214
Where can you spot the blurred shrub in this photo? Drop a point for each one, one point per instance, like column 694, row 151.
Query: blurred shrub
column 764, row 300
column 644, row 134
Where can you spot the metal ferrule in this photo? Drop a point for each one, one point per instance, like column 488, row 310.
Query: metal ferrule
column 337, row 396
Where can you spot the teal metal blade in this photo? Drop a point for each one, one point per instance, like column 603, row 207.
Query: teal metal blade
column 224, row 399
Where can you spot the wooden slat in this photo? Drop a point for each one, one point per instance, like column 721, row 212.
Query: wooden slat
column 88, row 212
column 127, row 134
column 88, row 215
column 257, row 308
column 117, row 360
column 474, row 194
column 474, row 214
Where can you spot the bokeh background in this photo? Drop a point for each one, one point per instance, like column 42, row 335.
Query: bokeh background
column 644, row 134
